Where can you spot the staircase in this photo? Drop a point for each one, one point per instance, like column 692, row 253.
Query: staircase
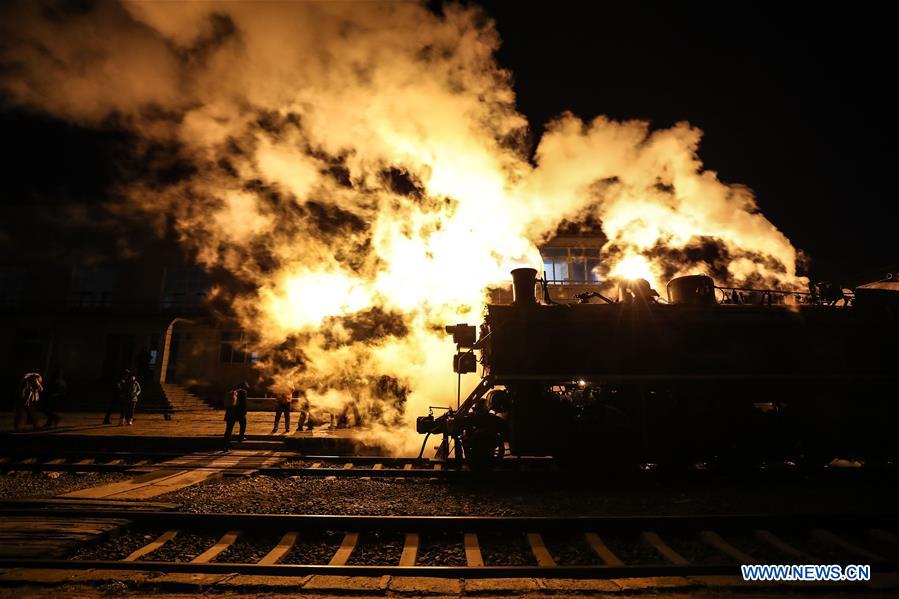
column 96, row 397
column 180, row 399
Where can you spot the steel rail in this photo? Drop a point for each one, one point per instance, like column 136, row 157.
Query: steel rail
column 268, row 522
column 399, row 468
column 391, row 467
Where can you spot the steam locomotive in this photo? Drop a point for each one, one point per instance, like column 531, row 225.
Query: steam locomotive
column 639, row 380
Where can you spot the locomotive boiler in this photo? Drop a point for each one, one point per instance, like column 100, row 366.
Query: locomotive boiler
column 637, row 379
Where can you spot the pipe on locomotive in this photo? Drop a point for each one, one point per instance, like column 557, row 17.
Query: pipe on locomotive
column 523, row 287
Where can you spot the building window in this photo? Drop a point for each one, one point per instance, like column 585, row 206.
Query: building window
column 555, row 264
column 93, row 287
column 570, row 265
column 233, row 349
column 185, row 287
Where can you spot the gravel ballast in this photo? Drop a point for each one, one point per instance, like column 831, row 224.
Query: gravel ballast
column 632, row 549
column 509, row 549
column 28, row 485
column 248, row 549
column 183, row 548
column 377, row 549
column 441, row 549
column 571, row 550
column 311, row 495
column 314, row 548
column 117, row 548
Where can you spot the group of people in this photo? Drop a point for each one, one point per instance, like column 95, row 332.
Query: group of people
column 33, row 398
column 125, row 398
column 236, row 412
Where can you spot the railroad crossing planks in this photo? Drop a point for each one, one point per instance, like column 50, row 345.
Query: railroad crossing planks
column 49, row 536
column 170, row 477
column 100, row 504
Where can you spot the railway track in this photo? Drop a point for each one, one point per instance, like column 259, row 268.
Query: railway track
column 293, row 464
column 479, row 547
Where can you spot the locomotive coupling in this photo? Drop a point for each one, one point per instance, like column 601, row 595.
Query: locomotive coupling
column 445, row 423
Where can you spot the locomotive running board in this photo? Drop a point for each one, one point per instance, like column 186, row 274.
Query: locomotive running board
column 606, row 378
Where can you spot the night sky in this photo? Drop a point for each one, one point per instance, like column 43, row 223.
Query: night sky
column 796, row 103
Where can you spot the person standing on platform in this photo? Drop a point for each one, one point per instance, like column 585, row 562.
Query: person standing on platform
column 129, row 393
column 29, row 396
column 282, row 406
column 304, row 416
column 236, row 411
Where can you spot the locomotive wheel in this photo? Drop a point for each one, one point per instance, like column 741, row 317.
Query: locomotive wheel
column 483, row 449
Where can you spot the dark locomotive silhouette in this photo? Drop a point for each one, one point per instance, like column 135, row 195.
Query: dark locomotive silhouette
column 711, row 373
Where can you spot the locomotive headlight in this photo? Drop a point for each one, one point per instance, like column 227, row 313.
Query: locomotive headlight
column 464, row 335
column 463, row 363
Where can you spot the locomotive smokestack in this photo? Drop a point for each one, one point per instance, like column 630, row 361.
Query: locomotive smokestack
column 523, row 281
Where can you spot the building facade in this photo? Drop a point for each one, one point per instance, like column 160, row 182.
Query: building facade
column 87, row 324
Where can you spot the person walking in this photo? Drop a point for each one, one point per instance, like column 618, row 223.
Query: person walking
column 236, row 411
column 304, row 415
column 129, row 393
column 282, row 406
column 29, row 396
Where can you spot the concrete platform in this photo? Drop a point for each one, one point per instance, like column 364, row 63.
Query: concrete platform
column 186, row 431
column 94, row 583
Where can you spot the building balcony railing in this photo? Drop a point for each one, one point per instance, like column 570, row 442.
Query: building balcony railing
column 55, row 306
column 559, row 290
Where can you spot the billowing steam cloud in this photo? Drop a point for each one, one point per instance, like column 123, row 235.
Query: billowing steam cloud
column 358, row 169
